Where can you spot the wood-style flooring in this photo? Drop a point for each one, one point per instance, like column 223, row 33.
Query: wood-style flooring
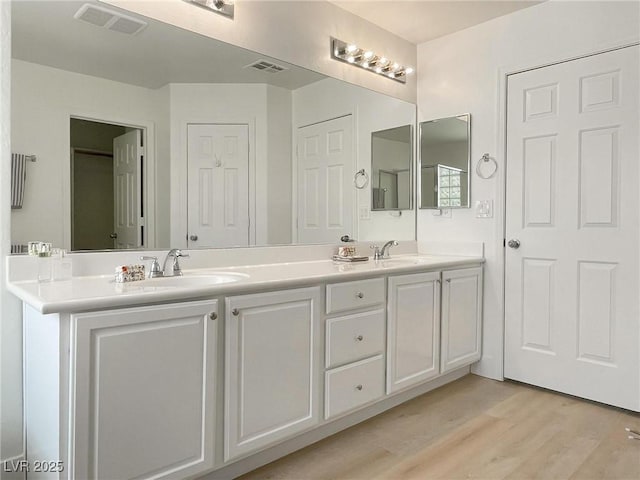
column 475, row 428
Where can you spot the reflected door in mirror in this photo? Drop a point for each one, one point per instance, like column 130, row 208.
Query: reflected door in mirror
column 127, row 163
column 325, row 164
column 218, row 185
column 107, row 205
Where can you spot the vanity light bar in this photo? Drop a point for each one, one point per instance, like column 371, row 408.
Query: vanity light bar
column 369, row 60
column 223, row 7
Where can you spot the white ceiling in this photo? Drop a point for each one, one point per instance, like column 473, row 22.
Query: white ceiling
column 45, row 32
column 419, row 21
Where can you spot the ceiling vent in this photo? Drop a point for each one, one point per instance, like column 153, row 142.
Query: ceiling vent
column 109, row 19
column 265, row 66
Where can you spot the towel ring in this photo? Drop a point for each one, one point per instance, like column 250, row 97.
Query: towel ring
column 358, row 181
column 486, row 159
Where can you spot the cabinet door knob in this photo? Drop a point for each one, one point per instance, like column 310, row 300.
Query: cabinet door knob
column 448, row 280
column 213, row 316
column 193, row 238
column 360, row 295
column 235, row 312
column 358, row 387
column 359, row 338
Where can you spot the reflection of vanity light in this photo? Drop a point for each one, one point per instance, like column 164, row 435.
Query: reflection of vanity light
column 367, row 59
column 223, row 7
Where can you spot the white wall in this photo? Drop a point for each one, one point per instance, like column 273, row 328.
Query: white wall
column 461, row 73
column 293, row 31
column 329, row 99
column 43, row 100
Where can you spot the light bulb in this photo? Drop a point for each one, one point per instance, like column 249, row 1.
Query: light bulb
column 383, row 61
column 409, row 70
column 351, row 59
column 351, row 48
column 368, row 54
column 378, row 69
column 395, row 66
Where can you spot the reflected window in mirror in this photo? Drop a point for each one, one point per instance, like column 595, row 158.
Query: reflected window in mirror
column 391, row 160
column 445, row 146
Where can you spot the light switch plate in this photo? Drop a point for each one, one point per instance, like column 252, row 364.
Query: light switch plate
column 484, row 209
column 364, row 212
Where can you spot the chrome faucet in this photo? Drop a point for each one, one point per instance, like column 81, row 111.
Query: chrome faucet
column 176, row 271
column 382, row 253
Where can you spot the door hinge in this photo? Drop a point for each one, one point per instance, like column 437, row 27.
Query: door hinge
column 504, row 242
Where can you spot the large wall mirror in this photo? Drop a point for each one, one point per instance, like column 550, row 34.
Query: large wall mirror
column 445, row 158
column 160, row 137
column 391, row 167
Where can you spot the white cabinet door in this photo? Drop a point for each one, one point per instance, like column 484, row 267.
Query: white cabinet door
column 143, row 392
column 461, row 318
column 413, row 329
column 272, row 368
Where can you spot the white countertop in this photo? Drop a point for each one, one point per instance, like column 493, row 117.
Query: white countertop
column 98, row 292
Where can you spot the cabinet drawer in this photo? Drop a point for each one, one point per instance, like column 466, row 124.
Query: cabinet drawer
column 354, row 337
column 353, row 385
column 352, row 295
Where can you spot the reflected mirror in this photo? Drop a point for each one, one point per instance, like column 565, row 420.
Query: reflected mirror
column 162, row 138
column 445, row 158
column 391, row 162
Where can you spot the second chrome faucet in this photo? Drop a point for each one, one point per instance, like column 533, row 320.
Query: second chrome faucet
column 381, row 253
column 176, row 271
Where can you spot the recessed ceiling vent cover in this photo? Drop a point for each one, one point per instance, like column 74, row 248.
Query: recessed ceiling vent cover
column 265, row 66
column 109, row 19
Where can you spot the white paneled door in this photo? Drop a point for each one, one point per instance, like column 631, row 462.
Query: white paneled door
column 572, row 289
column 127, row 165
column 326, row 194
column 218, row 185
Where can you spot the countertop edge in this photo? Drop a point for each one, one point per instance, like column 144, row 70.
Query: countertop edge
column 70, row 306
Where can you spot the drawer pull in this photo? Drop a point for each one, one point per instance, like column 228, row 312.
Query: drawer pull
column 360, row 295
column 235, row 312
column 358, row 387
column 359, row 338
column 213, row 316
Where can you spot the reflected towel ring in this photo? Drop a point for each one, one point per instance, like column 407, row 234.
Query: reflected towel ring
column 486, row 159
column 358, row 181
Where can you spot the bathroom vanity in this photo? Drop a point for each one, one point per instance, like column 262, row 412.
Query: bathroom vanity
column 179, row 377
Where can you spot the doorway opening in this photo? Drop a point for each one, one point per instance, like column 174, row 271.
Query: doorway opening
column 107, row 194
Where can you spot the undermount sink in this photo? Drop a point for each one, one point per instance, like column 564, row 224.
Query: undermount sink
column 196, row 279
column 399, row 261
